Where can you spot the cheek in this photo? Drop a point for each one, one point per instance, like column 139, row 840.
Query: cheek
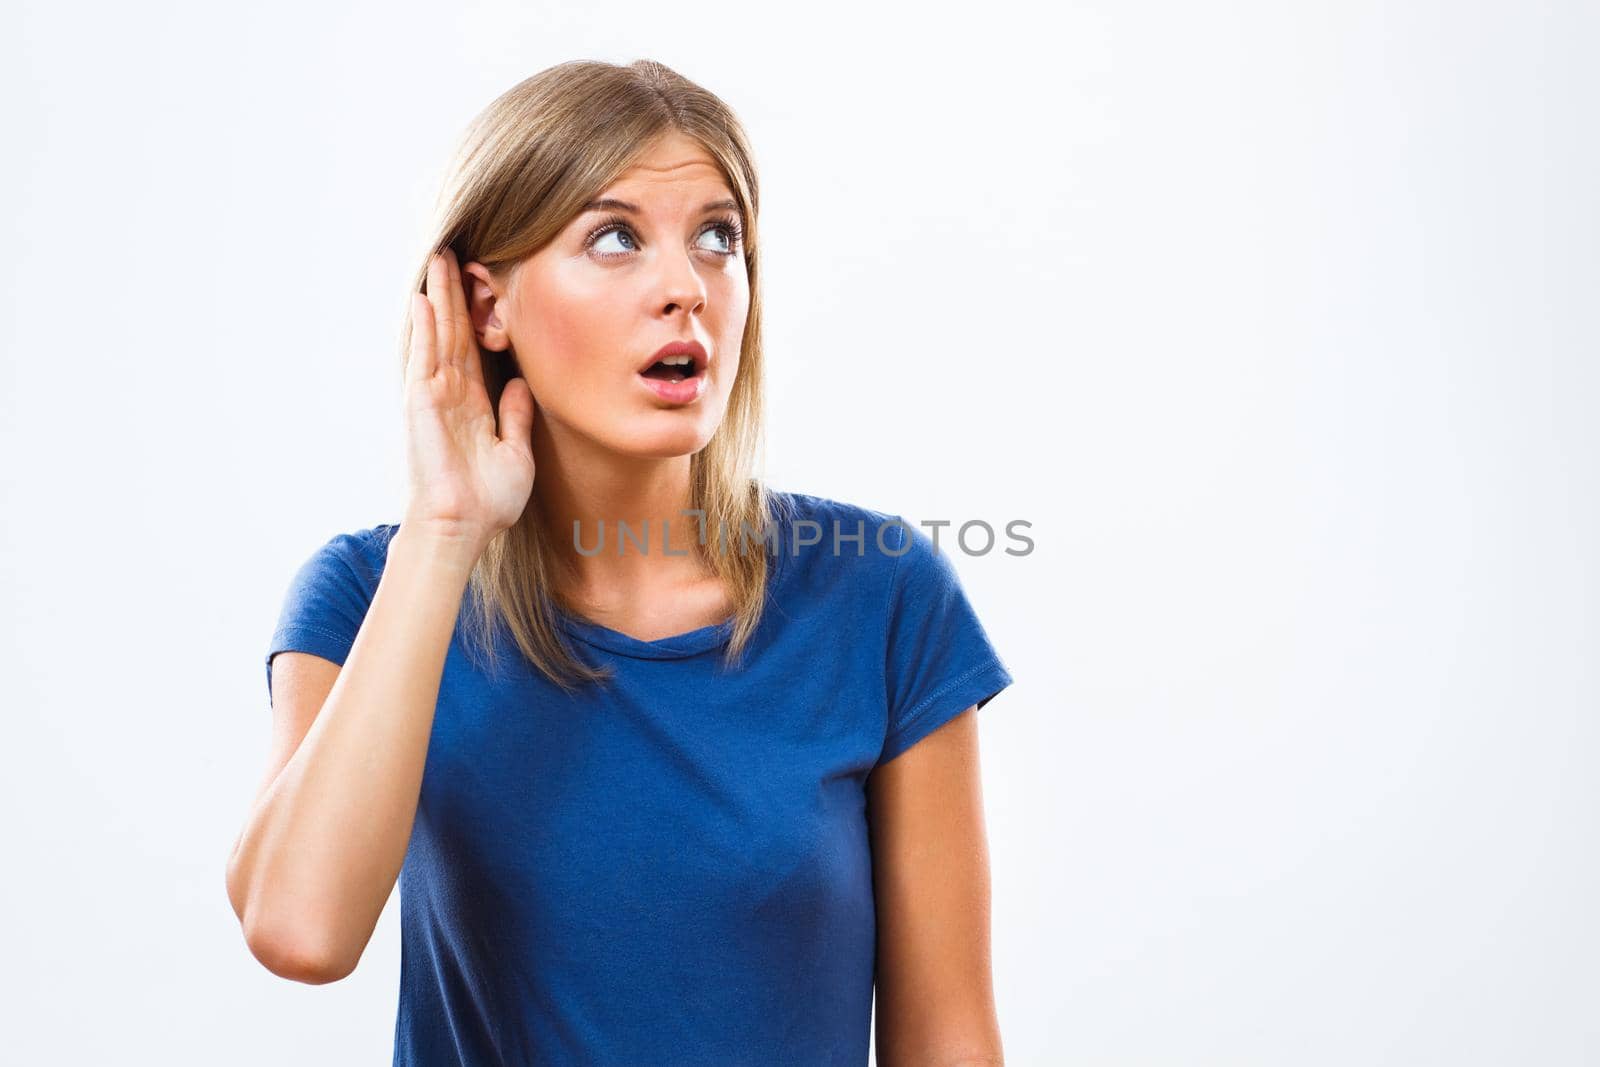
column 568, row 337
column 737, row 299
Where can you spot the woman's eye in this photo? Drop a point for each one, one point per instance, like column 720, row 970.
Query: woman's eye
column 618, row 233
column 725, row 235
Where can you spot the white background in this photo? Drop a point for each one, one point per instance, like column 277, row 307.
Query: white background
column 1277, row 321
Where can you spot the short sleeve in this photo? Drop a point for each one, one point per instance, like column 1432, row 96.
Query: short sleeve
column 940, row 661
column 326, row 601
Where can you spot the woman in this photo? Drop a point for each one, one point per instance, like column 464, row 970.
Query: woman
column 652, row 800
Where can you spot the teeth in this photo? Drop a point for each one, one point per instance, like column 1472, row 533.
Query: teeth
column 678, row 361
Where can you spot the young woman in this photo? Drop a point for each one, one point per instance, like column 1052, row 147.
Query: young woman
column 650, row 799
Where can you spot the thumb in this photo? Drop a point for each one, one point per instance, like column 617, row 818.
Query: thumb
column 516, row 414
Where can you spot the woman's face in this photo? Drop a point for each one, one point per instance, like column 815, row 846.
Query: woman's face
column 587, row 314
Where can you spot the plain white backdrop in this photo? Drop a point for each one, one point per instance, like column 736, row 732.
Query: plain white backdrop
column 1277, row 321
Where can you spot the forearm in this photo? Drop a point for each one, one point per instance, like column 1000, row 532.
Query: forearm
column 322, row 848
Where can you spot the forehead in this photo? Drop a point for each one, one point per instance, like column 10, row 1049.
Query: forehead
column 674, row 166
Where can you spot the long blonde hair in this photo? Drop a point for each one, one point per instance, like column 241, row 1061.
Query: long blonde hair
column 522, row 171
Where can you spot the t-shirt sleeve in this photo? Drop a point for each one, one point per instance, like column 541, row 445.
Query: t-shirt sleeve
column 940, row 659
column 325, row 604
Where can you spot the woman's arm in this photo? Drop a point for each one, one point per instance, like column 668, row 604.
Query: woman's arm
column 325, row 840
column 930, row 861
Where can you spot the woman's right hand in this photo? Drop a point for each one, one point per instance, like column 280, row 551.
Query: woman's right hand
column 466, row 482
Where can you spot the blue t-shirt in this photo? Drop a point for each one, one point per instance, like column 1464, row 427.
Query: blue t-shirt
column 675, row 868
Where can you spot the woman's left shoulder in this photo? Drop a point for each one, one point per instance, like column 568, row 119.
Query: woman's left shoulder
column 843, row 548
column 848, row 516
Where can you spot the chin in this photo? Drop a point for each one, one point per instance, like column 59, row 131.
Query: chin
column 682, row 440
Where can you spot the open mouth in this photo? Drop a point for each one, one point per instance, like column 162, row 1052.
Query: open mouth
column 672, row 369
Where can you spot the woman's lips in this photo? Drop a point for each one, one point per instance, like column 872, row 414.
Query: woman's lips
column 686, row 391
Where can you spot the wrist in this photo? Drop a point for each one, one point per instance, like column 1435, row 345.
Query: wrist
column 453, row 546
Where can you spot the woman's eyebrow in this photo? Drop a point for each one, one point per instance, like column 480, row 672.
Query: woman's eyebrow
column 609, row 204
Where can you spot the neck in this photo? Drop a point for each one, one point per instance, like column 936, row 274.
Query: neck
column 580, row 482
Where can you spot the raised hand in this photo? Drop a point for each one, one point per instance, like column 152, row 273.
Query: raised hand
column 466, row 481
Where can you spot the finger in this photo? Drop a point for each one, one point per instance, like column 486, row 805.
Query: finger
column 471, row 358
column 472, row 363
column 439, row 297
column 516, row 414
column 424, row 346
column 460, row 322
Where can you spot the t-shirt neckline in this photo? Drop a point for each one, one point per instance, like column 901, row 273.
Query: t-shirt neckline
column 674, row 647
column 677, row 646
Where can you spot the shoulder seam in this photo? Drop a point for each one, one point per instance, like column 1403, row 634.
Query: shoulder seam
column 344, row 560
column 888, row 619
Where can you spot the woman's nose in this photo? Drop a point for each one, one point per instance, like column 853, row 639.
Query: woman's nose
column 681, row 284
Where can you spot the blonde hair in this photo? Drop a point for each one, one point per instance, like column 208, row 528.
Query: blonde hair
column 522, row 171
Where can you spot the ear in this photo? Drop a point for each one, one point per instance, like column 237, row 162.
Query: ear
column 485, row 293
